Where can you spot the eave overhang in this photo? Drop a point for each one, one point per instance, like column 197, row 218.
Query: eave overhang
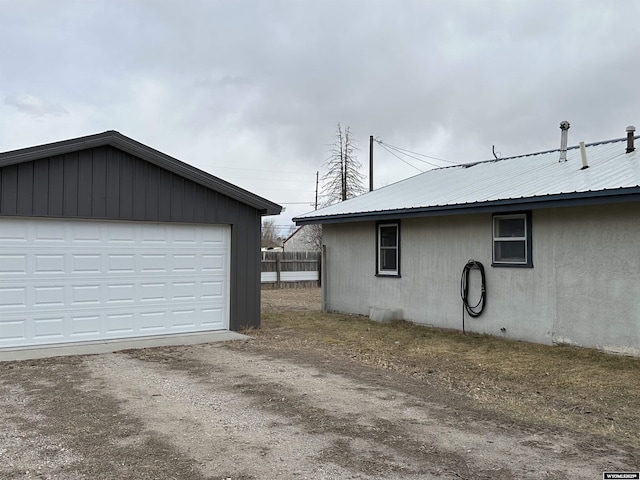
column 575, row 199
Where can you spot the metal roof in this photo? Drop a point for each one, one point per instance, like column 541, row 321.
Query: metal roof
column 124, row 143
column 529, row 181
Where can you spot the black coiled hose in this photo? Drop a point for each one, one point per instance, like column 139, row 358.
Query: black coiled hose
column 472, row 310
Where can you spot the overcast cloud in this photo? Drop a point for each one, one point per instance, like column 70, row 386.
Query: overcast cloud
column 252, row 91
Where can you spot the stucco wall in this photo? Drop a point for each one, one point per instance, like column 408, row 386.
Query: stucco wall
column 582, row 289
column 597, row 258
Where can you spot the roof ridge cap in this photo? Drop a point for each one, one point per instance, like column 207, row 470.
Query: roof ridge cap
column 543, row 152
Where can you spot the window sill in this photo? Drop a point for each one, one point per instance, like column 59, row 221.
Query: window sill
column 388, row 275
column 512, row 265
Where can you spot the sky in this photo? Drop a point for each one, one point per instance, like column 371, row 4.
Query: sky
column 252, row 91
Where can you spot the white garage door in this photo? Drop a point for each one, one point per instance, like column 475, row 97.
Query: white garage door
column 81, row 280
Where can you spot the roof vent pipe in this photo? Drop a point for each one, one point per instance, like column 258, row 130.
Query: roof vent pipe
column 564, row 127
column 630, row 131
column 583, row 155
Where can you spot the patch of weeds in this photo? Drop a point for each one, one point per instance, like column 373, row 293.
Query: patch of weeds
column 562, row 386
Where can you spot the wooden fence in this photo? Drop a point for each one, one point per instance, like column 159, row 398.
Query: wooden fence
column 290, row 269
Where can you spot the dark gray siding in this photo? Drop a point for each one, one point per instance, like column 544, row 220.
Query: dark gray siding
column 107, row 183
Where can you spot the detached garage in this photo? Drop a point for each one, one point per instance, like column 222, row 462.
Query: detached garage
column 103, row 238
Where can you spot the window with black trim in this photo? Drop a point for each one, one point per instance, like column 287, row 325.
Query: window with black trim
column 388, row 249
column 512, row 240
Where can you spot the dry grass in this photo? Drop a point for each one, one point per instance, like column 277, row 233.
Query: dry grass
column 564, row 387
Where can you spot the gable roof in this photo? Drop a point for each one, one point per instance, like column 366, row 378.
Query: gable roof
column 295, row 235
column 297, row 230
column 531, row 181
column 126, row 144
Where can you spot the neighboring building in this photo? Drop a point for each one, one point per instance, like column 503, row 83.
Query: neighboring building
column 307, row 238
column 104, row 238
column 559, row 244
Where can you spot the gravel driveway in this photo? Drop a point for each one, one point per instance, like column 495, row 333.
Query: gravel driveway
column 238, row 411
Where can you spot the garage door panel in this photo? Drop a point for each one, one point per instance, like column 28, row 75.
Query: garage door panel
column 83, row 295
column 184, row 241
column 48, row 296
column 14, row 264
column 213, row 316
column 13, row 233
column 213, row 263
column 45, row 233
column 119, row 234
column 85, row 263
column 84, row 326
column 183, row 291
column 119, row 293
column 110, row 280
column 48, row 328
column 121, row 263
column 85, row 233
column 49, row 264
column 211, row 290
column 184, row 263
column 213, row 237
column 12, row 297
column 12, row 331
column 153, row 292
column 155, row 235
column 120, row 323
column 153, row 263
column 184, row 318
column 153, row 321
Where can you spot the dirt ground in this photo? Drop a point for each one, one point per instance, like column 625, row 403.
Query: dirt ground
column 248, row 410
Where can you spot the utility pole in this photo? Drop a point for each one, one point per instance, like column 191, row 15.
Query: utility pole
column 316, row 190
column 370, row 163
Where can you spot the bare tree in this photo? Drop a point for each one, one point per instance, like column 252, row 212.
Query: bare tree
column 343, row 179
column 315, row 236
column 312, row 235
column 270, row 237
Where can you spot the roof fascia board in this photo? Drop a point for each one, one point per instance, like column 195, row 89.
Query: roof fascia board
column 52, row 149
column 552, row 201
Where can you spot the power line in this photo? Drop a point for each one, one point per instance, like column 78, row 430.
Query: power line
column 416, row 153
column 399, row 158
column 211, row 165
column 415, row 158
column 264, row 179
